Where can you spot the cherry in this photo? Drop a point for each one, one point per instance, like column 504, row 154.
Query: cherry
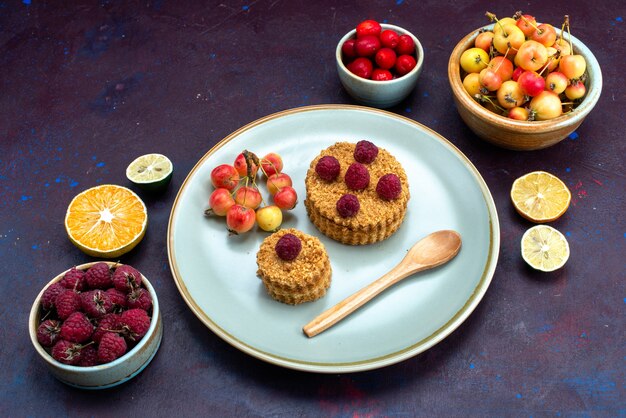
column 240, row 219
column 382, row 75
column 225, row 176
column 219, row 202
column 348, row 49
column 269, row 218
column 404, row 64
column 406, row 45
column 367, row 45
column 368, row 27
column 389, row 38
column 275, row 182
column 248, row 196
column 385, row 58
column 286, row 198
column 272, row 163
column 361, row 67
column 531, row 83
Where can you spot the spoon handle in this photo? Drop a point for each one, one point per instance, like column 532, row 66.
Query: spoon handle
column 350, row 304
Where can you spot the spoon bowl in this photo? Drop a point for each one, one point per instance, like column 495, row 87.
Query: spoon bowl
column 431, row 251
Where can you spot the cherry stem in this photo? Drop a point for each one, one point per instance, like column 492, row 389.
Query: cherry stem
column 569, row 34
column 493, row 17
column 521, row 16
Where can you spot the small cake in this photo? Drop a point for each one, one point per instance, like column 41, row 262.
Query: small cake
column 294, row 266
column 356, row 193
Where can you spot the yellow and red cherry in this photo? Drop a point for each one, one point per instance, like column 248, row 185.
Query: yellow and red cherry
column 471, row 83
column 546, row 105
column 269, row 218
column 575, row 90
column 518, row 113
column 248, row 196
column 286, row 198
column 474, row 60
column 484, row 40
column 219, row 202
column 544, row 34
column 573, row 66
column 508, row 40
column 531, row 56
column 503, row 66
column 531, row 83
column 510, row 95
column 556, row 82
column 490, row 79
column 240, row 219
column 224, row 176
column 272, row 163
column 527, row 24
column 275, row 182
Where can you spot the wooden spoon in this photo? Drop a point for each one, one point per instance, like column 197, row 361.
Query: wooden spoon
column 431, row 251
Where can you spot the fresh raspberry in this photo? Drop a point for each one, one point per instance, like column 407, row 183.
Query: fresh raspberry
column 74, row 279
column 389, row 187
column 126, row 278
column 365, row 152
column 50, row 294
column 96, row 303
column 348, row 205
column 48, row 332
column 99, row 276
column 108, row 323
column 118, row 299
column 67, row 303
column 111, row 347
column 88, row 356
column 135, row 323
column 357, row 177
column 327, row 168
column 139, row 298
column 288, row 247
column 67, row 352
column 77, row 328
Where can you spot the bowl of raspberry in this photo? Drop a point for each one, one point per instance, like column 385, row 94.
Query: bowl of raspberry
column 96, row 325
column 379, row 64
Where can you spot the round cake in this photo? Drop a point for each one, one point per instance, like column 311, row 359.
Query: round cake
column 356, row 193
column 294, row 266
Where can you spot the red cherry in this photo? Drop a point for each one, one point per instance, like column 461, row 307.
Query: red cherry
column 366, row 46
column 368, row 27
column 348, row 49
column 389, row 38
column 406, row 46
column 385, row 58
column 404, row 64
column 516, row 73
column 382, row 75
column 361, row 67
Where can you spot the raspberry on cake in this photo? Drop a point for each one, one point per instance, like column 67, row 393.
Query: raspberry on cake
column 294, row 266
column 378, row 183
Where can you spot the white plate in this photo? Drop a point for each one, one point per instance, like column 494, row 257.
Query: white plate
column 216, row 273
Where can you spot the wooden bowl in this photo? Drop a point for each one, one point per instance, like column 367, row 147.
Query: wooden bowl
column 514, row 134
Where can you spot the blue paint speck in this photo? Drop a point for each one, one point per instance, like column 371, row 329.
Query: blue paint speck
column 407, row 110
column 58, row 180
column 100, row 164
column 567, row 170
column 399, row 2
column 26, row 2
column 244, row 8
column 472, row 366
column 573, row 136
column 46, row 184
column 59, row 148
column 518, row 396
column 583, row 335
column 93, row 157
column 35, row 247
column 74, row 183
column 619, row 19
column 568, row 234
column 25, row 198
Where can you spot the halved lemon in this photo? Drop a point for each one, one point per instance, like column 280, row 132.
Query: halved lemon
column 150, row 172
column 106, row 221
column 544, row 248
column 540, row 197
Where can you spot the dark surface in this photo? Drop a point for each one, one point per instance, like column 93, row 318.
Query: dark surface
column 87, row 86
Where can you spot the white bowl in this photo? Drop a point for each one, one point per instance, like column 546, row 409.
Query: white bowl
column 380, row 94
column 107, row 375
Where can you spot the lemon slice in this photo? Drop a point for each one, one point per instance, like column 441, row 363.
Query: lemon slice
column 544, row 248
column 540, row 197
column 106, row 221
column 150, row 172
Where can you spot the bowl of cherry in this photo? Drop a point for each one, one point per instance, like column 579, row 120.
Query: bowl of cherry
column 523, row 85
column 96, row 325
column 379, row 63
